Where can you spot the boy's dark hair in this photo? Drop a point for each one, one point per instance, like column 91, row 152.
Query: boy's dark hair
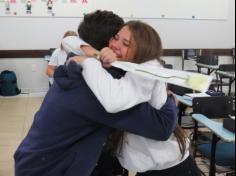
column 98, row 27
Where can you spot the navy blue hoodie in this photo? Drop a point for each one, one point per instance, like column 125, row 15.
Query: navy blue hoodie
column 71, row 127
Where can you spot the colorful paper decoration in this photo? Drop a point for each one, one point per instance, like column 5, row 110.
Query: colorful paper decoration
column 13, row 1
column 84, row 1
column 28, row 7
column 73, row 1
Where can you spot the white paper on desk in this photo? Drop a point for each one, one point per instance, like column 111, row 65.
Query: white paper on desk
column 186, row 79
column 193, row 95
column 232, row 117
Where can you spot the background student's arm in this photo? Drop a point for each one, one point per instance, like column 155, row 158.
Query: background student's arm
column 53, row 63
column 116, row 94
column 50, row 70
column 74, row 44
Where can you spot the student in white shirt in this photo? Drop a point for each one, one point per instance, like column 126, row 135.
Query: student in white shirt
column 138, row 42
column 58, row 57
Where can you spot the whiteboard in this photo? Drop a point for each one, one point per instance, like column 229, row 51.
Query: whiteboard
column 167, row 9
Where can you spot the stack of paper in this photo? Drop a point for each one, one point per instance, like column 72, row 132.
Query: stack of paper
column 193, row 95
column 232, row 117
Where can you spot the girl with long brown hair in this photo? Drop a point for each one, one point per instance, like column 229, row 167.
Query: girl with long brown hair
column 139, row 43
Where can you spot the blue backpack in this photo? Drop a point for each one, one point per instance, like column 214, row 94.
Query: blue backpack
column 8, row 83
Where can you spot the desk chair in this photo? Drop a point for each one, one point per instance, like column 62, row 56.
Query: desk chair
column 169, row 66
column 226, row 68
column 182, row 107
column 214, row 108
column 233, row 55
column 190, row 54
column 187, row 122
column 209, row 62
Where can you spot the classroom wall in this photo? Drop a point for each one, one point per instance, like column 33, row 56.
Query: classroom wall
column 187, row 9
column 44, row 33
column 31, row 73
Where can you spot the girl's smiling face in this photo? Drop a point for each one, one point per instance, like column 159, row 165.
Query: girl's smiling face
column 123, row 45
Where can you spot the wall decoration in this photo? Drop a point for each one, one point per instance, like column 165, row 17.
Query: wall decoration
column 84, row 1
column 7, row 7
column 163, row 9
column 49, row 6
column 28, row 7
column 13, row 1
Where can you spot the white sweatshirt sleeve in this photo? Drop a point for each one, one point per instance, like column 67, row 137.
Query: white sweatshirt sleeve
column 54, row 58
column 116, row 94
column 73, row 44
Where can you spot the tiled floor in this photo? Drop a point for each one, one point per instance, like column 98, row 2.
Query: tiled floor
column 16, row 116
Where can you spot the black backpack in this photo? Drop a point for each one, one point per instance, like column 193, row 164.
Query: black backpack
column 8, row 83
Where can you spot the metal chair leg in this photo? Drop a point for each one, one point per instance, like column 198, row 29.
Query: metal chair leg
column 212, row 171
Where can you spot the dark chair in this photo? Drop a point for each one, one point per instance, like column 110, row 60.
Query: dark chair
column 214, row 108
column 179, row 90
column 50, row 51
column 210, row 63
column 182, row 108
column 228, row 68
column 165, row 65
column 190, row 54
column 210, row 60
column 169, row 66
column 183, row 120
column 233, row 55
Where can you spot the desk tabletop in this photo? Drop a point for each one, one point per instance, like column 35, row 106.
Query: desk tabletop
column 214, row 67
column 228, row 74
column 186, row 100
column 216, row 127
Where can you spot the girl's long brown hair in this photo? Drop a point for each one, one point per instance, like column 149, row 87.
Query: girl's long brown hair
column 181, row 139
column 145, row 41
column 147, row 46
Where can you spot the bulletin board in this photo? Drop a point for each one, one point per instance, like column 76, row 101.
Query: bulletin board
column 169, row 9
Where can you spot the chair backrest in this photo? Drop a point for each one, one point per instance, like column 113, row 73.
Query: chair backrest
column 169, row 66
column 50, row 51
column 179, row 90
column 208, row 60
column 213, row 107
column 227, row 67
column 191, row 54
